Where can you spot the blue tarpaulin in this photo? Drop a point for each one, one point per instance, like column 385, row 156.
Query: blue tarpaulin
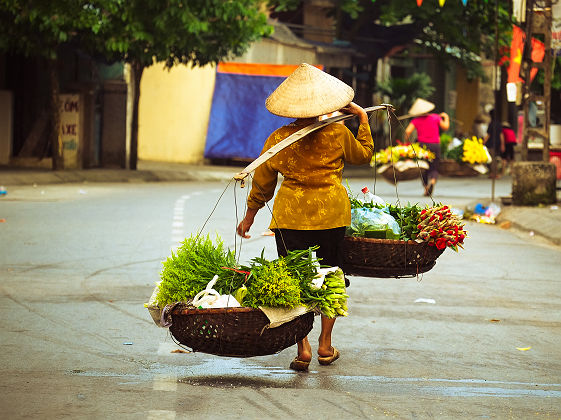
column 239, row 122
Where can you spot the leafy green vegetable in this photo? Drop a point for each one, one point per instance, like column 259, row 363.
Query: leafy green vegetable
column 456, row 153
column 188, row 271
column 408, row 219
column 296, row 268
column 283, row 282
column 272, row 286
column 330, row 298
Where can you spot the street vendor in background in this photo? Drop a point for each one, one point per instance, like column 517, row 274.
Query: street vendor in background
column 508, row 137
column 495, row 142
column 311, row 207
column 428, row 128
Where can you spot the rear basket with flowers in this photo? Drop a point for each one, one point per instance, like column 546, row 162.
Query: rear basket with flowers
column 402, row 162
column 467, row 157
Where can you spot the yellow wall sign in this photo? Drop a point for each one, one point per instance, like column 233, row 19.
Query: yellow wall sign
column 70, row 129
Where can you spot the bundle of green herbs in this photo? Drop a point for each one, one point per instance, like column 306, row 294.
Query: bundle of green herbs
column 276, row 283
column 329, row 298
column 408, row 219
column 280, row 282
column 187, row 271
column 288, row 282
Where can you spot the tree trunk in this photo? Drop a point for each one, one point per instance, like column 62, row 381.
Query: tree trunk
column 136, row 74
column 54, row 111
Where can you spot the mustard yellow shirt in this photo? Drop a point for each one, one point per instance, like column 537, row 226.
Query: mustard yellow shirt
column 311, row 196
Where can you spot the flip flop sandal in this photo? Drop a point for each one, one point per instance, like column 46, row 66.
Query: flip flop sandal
column 299, row 365
column 327, row 360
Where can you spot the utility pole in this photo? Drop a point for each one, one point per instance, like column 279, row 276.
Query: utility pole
column 538, row 21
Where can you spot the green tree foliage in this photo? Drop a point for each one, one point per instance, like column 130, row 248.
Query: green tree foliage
column 196, row 32
column 451, row 32
column 37, row 28
column 403, row 92
column 455, row 31
column 139, row 32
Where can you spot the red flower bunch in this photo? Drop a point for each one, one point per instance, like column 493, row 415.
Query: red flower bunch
column 441, row 228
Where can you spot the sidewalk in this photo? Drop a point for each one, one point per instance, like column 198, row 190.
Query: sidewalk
column 146, row 172
column 542, row 221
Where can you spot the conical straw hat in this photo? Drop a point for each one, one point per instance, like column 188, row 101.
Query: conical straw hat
column 420, row 107
column 309, row 92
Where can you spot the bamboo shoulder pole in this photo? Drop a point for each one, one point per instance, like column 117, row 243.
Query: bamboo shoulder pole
column 297, row 136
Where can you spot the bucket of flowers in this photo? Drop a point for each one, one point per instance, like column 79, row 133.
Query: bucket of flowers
column 467, row 157
column 402, row 162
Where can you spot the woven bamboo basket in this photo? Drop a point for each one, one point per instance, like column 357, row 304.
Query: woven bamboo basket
column 387, row 258
column 449, row 167
column 403, row 170
column 235, row 332
column 406, row 175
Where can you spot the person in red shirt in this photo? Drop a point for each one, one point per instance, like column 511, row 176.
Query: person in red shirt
column 428, row 128
column 509, row 140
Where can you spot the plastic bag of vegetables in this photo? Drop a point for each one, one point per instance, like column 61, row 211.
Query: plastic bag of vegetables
column 373, row 223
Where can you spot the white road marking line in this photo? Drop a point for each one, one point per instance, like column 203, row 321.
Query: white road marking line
column 165, row 383
column 161, row 415
column 178, row 231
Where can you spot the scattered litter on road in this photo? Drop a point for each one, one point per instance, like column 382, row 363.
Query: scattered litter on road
column 482, row 219
column 179, row 351
column 554, row 207
column 523, row 348
column 531, row 233
column 507, row 224
column 458, row 212
column 479, row 209
column 482, row 214
column 424, row 300
column 127, row 343
column 2, row 220
column 82, row 191
column 3, row 191
column 494, row 320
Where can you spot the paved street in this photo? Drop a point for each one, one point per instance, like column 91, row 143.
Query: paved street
column 79, row 260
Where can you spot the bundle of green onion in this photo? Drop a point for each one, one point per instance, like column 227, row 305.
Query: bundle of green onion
column 330, row 297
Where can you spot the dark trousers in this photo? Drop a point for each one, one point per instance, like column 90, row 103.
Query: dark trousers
column 432, row 172
column 329, row 241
